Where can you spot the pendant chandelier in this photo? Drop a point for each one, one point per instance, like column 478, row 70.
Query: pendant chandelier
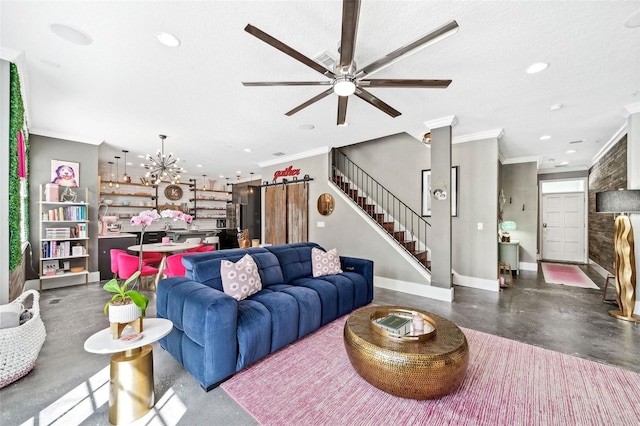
column 125, row 177
column 163, row 166
column 110, row 173
column 117, row 161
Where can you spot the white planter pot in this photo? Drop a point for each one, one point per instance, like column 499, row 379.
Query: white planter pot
column 124, row 313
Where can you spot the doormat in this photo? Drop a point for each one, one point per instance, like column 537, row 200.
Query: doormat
column 557, row 273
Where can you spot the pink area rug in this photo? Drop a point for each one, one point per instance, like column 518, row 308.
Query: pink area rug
column 311, row 382
column 557, row 273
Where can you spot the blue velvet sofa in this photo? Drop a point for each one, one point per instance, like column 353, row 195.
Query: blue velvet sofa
column 215, row 336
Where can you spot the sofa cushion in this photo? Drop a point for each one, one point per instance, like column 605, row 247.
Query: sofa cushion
column 295, row 260
column 269, row 268
column 240, row 279
column 325, row 263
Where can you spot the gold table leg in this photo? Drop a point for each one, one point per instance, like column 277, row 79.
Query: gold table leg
column 131, row 391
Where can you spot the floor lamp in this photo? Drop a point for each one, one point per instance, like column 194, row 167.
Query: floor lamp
column 622, row 202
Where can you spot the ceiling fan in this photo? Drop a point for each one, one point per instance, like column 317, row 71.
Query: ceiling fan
column 347, row 79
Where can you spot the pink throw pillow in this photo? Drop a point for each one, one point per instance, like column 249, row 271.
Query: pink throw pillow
column 325, row 263
column 241, row 279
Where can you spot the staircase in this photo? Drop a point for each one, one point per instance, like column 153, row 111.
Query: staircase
column 408, row 229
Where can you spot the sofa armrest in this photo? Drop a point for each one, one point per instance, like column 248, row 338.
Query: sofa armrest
column 208, row 318
column 360, row 266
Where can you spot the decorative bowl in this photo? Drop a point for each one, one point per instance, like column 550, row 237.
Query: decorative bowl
column 125, row 203
column 108, row 202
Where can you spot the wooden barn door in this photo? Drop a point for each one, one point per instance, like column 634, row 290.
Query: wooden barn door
column 286, row 214
column 275, row 212
column 297, row 213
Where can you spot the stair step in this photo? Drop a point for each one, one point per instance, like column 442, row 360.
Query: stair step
column 388, row 226
column 370, row 208
column 398, row 235
column 353, row 193
column 337, row 179
column 362, row 201
column 378, row 217
column 409, row 245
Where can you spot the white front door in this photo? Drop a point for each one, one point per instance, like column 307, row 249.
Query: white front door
column 563, row 227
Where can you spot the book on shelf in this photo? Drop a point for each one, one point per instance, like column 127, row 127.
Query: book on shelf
column 395, row 324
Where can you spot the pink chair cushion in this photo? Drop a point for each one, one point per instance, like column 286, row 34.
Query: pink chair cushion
column 128, row 264
column 195, row 249
column 151, row 258
column 205, row 248
column 175, row 268
column 114, row 259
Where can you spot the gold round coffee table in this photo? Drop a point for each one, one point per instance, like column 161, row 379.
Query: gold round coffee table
column 408, row 368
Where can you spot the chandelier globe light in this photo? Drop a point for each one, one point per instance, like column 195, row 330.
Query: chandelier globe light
column 163, row 166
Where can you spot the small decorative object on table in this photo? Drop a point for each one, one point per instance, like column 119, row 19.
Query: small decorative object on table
column 126, row 307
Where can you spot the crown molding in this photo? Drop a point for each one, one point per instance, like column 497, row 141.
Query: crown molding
column 488, row 134
column 65, row 136
column 633, row 108
column 293, row 157
column 610, row 143
column 451, row 120
column 522, row 160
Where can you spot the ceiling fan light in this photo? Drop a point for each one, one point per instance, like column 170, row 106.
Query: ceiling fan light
column 344, row 86
column 168, row 39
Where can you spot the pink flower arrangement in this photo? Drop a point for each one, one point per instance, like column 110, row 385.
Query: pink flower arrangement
column 147, row 217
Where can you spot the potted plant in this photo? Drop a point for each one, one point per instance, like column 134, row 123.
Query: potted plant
column 125, row 305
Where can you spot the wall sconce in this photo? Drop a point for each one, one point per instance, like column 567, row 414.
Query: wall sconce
column 622, row 202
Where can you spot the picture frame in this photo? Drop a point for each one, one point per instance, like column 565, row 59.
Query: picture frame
column 427, row 196
column 65, row 173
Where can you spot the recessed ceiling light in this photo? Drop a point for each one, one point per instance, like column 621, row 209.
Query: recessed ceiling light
column 555, row 107
column 247, row 150
column 571, row 151
column 198, row 165
column 239, row 172
column 70, row 34
column 537, row 67
column 141, row 156
column 307, row 127
column 564, row 163
column 168, row 39
column 633, row 21
column 545, row 137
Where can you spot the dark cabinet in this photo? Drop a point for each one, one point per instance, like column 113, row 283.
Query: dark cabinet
column 104, row 249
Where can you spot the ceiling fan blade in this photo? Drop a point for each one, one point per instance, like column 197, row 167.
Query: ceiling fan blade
column 342, row 109
column 310, row 101
column 368, row 97
column 286, row 83
column 350, row 14
column 408, row 49
column 427, row 84
column 288, row 50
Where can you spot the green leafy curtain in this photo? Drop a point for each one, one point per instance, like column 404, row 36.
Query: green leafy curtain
column 16, row 202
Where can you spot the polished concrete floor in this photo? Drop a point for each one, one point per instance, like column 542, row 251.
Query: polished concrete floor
column 70, row 386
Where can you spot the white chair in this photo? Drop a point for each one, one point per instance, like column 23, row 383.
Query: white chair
column 213, row 240
column 193, row 240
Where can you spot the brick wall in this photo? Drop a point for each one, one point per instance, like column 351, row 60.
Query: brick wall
column 609, row 173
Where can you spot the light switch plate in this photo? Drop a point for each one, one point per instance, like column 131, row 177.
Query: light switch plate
column 480, row 226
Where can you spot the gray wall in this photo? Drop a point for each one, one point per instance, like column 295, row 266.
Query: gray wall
column 345, row 229
column 43, row 150
column 520, row 185
column 475, row 252
column 397, row 162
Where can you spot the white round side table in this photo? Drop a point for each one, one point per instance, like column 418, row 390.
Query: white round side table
column 131, row 390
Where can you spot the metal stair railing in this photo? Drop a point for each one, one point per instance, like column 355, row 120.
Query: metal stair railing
column 378, row 200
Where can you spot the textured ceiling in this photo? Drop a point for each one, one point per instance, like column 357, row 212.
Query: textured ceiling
column 126, row 88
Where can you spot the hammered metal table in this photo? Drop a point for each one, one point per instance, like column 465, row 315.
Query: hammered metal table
column 408, row 369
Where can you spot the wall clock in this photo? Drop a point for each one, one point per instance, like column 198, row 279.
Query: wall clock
column 173, row 192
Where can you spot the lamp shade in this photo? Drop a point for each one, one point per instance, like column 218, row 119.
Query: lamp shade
column 625, row 201
column 508, row 225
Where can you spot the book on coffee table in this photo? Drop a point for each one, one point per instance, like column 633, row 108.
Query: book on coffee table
column 395, row 324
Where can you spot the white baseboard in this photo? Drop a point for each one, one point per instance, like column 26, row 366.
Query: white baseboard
column 417, row 289
column 474, row 282
column 529, row 266
column 599, row 269
column 61, row 282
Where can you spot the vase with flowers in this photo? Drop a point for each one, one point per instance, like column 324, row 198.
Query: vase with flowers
column 147, row 217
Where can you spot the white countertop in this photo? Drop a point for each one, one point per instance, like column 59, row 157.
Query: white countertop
column 120, row 235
